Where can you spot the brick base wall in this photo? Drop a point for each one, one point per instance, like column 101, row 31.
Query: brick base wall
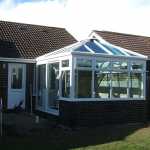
column 96, row 113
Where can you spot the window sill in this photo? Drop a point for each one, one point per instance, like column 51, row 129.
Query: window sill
column 97, row 99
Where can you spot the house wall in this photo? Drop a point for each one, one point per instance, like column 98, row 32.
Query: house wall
column 4, row 82
column 96, row 113
column 29, row 87
column 148, row 87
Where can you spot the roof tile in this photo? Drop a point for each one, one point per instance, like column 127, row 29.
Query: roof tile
column 139, row 44
column 18, row 40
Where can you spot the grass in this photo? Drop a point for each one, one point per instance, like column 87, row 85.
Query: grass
column 119, row 137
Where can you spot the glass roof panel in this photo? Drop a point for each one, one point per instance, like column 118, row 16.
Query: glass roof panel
column 81, row 49
column 112, row 49
column 131, row 54
column 94, row 47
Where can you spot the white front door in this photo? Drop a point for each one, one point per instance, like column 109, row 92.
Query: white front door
column 16, row 85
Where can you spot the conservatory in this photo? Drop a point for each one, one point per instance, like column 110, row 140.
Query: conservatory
column 90, row 73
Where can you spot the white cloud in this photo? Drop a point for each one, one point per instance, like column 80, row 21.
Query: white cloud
column 46, row 13
column 114, row 15
column 82, row 16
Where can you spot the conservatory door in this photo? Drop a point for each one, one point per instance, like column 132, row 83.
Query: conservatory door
column 53, row 85
column 16, row 85
column 41, row 87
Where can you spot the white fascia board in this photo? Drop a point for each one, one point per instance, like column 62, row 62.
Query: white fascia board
column 54, row 58
column 21, row 60
column 122, row 49
column 107, row 56
column 58, row 51
column 62, row 51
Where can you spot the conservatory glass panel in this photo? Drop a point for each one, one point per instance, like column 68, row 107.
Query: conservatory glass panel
column 95, row 47
column 113, row 49
column 83, row 84
column 137, row 66
column 81, row 62
column 65, row 79
column 53, row 85
column 119, row 65
column 41, row 84
column 136, row 81
column 82, row 49
column 119, row 85
column 103, row 65
column 102, row 85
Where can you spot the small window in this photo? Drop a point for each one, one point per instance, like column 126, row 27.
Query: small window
column 16, row 77
column 84, row 62
column 65, row 63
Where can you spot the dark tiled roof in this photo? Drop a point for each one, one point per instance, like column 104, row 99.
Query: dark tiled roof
column 19, row 40
column 140, row 44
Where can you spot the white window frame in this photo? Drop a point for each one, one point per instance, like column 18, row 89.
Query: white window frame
column 72, row 66
column 93, row 68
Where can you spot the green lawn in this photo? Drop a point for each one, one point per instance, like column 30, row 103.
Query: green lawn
column 120, row 137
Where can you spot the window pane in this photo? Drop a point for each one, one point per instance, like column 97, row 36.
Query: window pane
column 84, row 63
column 103, row 65
column 65, row 63
column 119, row 65
column 16, row 77
column 137, row 65
column 65, row 77
column 53, row 85
column 41, row 84
column 82, row 49
column 113, row 49
column 95, row 47
column 102, row 87
column 136, row 90
column 119, row 85
column 83, row 80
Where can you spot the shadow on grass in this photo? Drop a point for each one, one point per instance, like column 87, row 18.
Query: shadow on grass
column 56, row 138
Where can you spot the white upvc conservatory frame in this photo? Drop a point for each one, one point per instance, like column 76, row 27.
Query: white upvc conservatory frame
column 110, row 58
column 62, row 54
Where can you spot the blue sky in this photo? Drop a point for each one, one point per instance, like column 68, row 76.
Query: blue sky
column 81, row 16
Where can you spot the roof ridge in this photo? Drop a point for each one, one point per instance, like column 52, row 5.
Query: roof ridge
column 126, row 34
column 21, row 23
